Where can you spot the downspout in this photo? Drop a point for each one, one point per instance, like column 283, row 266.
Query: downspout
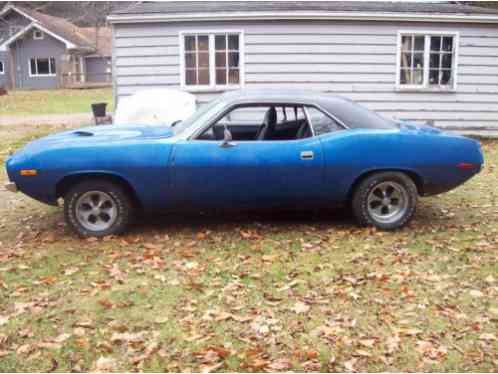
column 113, row 69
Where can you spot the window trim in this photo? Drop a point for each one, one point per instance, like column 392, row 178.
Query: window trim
column 227, row 109
column 425, row 87
column 212, row 87
column 2, row 70
column 41, row 35
column 31, row 75
column 326, row 114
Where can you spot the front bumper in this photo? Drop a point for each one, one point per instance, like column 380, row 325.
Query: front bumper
column 11, row 186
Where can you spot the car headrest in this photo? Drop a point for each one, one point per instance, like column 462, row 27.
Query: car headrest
column 271, row 116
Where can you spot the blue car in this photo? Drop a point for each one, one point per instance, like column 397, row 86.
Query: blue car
column 248, row 148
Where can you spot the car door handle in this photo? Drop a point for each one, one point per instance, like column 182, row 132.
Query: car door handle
column 307, row 155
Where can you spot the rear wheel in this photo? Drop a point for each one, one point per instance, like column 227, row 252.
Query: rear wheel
column 386, row 200
column 97, row 208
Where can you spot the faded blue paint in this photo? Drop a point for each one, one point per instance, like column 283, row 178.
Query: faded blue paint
column 170, row 171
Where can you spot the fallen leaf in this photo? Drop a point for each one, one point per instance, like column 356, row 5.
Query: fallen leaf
column 106, row 303
column 363, row 353
column 82, row 343
column 211, row 368
column 24, row 349
column 104, row 364
column 476, row 293
column 349, row 365
column 280, row 365
column 487, row 336
column 4, row 353
column 71, row 271
column 128, row 337
column 300, row 308
column 369, row 343
column 4, row 320
column 62, row 337
column 79, row 331
column 311, row 355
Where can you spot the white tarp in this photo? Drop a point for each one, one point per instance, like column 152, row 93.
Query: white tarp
column 154, row 107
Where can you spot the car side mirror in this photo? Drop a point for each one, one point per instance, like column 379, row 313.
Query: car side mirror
column 227, row 138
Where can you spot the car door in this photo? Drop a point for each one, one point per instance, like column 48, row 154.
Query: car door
column 247, row 173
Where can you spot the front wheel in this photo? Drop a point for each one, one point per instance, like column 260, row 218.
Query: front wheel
column 386, row 200
column 97, row 208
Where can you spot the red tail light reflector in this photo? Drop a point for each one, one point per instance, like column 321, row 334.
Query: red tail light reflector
column 467, row 166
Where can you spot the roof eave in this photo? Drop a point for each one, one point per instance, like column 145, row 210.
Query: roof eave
column 359, row 16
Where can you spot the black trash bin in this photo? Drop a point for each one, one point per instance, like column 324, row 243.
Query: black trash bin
column 99, row 109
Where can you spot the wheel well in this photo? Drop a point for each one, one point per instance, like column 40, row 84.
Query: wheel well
column 413, row 176
column 68, row 182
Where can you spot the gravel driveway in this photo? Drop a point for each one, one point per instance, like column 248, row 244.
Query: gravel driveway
column 51, row 119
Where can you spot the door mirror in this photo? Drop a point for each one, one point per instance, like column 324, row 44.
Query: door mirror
column 227, row 138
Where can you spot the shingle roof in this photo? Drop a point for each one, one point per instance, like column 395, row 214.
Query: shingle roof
column 101, row 39
column 179, row 7
column 80, row 37
column 58, row 26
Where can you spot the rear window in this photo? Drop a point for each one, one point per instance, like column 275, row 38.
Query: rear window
column 357, row 116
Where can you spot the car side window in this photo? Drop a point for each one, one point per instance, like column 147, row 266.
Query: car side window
column 243, row 122
column 322, row 123
column 261, row 122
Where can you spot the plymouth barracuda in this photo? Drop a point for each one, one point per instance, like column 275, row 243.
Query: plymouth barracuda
column 248, row 148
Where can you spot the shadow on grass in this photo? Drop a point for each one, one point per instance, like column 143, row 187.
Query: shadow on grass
column 340, row 217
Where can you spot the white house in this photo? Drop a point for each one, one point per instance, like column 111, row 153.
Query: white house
column 427, row 62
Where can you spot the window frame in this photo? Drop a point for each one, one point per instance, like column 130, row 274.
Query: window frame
column 212, row 122
column 425, row 86
column 212, row 86
column 41, row 35
column 2, row 70
column 340, row 124
column 37, row 75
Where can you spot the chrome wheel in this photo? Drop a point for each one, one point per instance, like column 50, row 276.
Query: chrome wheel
column 96, row 211
column 387, row 202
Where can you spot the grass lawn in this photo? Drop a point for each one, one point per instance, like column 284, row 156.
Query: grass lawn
column 297, row 292
column 30, row 103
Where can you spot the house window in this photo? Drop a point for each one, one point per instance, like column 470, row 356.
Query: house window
column 212, row 60
column 1, row 68
column 427, row 61
column 37, row 35
column 227, row 62
column 39, row 67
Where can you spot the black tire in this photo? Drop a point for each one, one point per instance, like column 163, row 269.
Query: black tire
column 120, row 197
column 360, row 206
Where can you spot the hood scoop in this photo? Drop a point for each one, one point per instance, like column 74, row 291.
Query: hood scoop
column 83, row 133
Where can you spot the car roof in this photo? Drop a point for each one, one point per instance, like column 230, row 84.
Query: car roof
column 347, row 111
column 284, row 96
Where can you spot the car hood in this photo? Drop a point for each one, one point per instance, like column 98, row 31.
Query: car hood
column 98, row 135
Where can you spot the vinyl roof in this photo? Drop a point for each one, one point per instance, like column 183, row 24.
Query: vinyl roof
column 179, row 7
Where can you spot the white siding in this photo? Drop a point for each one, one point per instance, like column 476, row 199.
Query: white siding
column 353, row 59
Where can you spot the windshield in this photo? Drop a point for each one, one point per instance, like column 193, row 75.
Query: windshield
column 187, row 123
column 357, row 116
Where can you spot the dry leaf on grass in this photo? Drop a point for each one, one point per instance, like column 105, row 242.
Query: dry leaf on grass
column 104, row 364
column 300, row 308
